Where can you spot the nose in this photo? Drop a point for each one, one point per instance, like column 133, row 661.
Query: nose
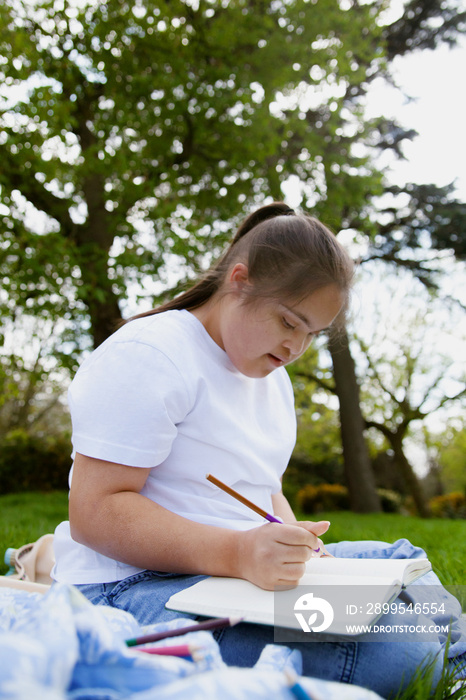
column 297, row 343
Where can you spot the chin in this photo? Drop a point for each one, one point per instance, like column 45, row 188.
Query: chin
column 253, row 370
column 256, row 373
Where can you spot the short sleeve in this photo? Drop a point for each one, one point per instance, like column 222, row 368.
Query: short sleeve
column 125, row 402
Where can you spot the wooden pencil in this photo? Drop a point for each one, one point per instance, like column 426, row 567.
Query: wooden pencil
column 242, row 499
column 215, row 623
column 256, row 509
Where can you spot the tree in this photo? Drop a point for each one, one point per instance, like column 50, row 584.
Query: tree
column 318, row 443
column 357, row 466
column 322, row 438
column 408, row 375
column 398, row 237
column 32, row 383
column 358, row 469
column 139, row 126
column 448, row 454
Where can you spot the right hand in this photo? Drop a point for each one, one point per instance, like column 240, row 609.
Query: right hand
column 275, row 555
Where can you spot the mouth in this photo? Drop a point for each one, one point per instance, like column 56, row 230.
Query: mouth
column 276, row 360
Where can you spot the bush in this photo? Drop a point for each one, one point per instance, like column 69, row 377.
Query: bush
column 31, row 463
column 391, row 501
column 451, row 505
column 315, row 499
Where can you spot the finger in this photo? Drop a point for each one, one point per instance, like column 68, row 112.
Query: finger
column 303, row 549
column 321, row 551
column 296, row 553
column 298, row 534
column 283, row 585
column 317, row 528
column 290, row 576
column 294, row 569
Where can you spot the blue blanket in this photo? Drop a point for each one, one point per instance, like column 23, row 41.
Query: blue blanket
column 59, row 646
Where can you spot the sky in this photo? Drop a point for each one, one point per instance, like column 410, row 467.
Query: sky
column 434, row 80
column 433, row 102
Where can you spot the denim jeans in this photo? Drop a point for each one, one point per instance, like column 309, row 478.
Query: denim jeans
column 383, row 665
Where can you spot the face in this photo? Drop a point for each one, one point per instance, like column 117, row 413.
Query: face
column 265, row 335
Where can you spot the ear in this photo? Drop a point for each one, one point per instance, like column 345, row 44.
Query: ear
column 238, row 278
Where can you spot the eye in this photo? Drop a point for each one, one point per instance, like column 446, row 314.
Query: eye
column 287, row 324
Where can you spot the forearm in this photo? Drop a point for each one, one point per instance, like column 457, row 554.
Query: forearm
column 282, row 508
column 130, row 528
column 109, row 514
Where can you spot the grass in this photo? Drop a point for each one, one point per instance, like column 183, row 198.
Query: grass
column 443, row 540
column 25, row 517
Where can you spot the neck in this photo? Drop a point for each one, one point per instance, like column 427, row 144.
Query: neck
column 209, row 315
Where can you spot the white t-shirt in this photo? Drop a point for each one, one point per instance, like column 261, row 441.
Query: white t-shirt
column 160, row 393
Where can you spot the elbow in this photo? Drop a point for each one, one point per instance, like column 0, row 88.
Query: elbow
column 76, row 531
column 80, row 523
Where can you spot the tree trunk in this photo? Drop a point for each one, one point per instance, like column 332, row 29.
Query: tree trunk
column 358, row 470
column 98, row 295
column 414, row 486
column 96, row 291
column 105, row 317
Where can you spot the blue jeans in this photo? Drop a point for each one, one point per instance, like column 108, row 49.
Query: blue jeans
column 383, row 665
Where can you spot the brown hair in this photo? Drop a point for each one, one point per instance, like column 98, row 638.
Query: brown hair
column 288, row 256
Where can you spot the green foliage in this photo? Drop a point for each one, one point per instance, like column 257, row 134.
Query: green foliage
column 317, row 455
column 31, row 463
column 391, row 501
column 406, row 376
column 33, row 383
column 421, row 685
column 431, row 210
column 138, row 128
column 318, row 498
column 450, row 505
column 449, row 451
column 315, row 499
column 423, row 24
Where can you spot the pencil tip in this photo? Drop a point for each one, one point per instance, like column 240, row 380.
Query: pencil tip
column 235, row 620
column 290, row 676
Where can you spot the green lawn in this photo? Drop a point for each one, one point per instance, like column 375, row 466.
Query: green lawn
column 443, row 540
column 25, row 517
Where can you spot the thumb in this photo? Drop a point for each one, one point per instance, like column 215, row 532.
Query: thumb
column 317, row 528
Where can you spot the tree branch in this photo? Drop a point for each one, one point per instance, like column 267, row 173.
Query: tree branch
column 36, row 194
column 311, row 377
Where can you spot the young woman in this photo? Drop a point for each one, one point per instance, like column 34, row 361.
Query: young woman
column 195, row 386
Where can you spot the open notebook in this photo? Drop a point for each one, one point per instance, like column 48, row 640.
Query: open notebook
column 357, row 590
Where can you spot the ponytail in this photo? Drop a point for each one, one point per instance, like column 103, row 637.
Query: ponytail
column 288, row 256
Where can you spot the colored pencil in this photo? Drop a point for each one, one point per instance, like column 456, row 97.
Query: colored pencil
column 254, row 507
column 296, row 687
column 213, row 624
column 242, row 499
column 178, row 650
